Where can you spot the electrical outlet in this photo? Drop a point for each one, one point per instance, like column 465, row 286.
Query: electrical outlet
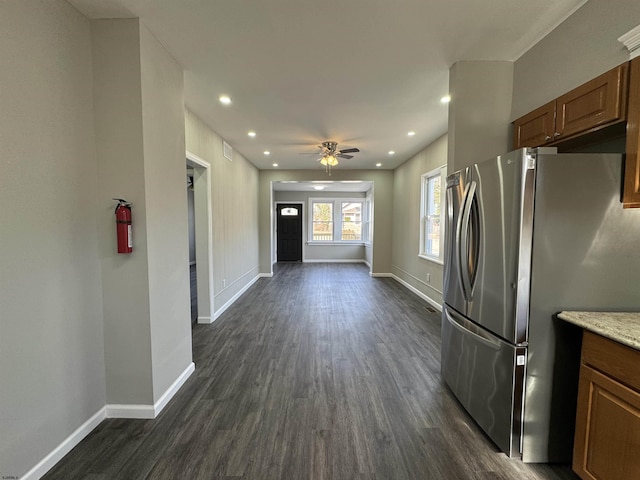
column 224, row 283
column 428, row 278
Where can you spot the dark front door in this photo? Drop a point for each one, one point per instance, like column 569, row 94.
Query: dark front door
column 289, row 232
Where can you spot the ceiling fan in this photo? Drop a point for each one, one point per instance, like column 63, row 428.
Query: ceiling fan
column 329, row 154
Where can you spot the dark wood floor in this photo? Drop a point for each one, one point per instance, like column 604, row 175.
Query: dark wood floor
column 320, row 372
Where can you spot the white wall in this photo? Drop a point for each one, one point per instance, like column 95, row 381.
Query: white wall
column 406, row 265
column 52, row 373
column 234, row 212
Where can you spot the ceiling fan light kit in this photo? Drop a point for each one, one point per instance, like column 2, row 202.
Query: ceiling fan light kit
column 330, row 155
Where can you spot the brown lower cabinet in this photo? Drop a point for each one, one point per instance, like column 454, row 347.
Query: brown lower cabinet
column 607, row 442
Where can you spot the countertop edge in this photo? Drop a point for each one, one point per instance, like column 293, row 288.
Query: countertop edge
column 621, row 327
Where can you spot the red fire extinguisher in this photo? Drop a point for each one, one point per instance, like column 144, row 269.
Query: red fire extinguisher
column 123, row 226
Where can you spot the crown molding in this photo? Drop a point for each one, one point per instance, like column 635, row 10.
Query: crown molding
column 631, row 40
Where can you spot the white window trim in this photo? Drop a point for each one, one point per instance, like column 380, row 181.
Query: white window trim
column 442, row 171
column 367, row 220
column 337, row 220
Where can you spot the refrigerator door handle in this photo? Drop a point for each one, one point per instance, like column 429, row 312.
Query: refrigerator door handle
column 466, row 263
column 459, row 250
column 468, row 327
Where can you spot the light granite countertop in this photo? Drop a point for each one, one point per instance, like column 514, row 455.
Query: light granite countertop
column 623, row 327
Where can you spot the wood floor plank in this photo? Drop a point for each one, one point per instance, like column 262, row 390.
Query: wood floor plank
column 319, row 373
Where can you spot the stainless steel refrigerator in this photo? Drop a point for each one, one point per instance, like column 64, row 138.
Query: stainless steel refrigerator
column 529, row 234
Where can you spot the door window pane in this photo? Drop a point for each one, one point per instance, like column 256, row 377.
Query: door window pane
column 289, row 212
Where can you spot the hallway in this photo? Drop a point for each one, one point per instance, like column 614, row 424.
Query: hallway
column 320, row 372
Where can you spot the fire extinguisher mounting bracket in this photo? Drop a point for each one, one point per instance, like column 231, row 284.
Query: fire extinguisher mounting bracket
column 122, row 202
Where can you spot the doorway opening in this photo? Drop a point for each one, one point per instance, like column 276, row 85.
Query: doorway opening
column 193, row 284
column 200, row 171
column 289, row 232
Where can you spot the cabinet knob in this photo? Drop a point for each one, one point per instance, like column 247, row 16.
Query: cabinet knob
column 556, row 134
column 547, row 138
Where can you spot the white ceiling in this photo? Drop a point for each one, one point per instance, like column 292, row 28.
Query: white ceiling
column 359, row 72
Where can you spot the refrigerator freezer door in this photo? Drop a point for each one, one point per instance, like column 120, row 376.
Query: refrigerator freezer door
column 456, row 194
column 486, row 374
column 504, row 196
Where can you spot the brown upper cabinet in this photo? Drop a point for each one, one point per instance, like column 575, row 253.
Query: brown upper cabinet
column 631, row 193
column 599, row 103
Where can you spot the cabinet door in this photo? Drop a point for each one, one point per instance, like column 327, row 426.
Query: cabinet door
column 631, row 196
column 535, row 128
column 597, row 103
column 607, row 428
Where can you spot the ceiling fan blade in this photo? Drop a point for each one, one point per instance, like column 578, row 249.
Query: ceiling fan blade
column 349, row 150
column 342, row 155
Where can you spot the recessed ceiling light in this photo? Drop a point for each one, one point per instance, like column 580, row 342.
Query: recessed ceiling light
column 225, row 100
column 445, row 99
column 391, row 152
column 252, row 134
column 411, row 134
column 318, row 187
column 378, row 164
column 275, row 164
column 267, row 152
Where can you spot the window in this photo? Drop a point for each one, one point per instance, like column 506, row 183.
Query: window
column 351, row 221
column 431, row 214
column 322, row 221
column 337, row 220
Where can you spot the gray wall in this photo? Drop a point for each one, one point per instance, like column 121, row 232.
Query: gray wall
column 312, row 253
column 140, row 130
column 166, row 206
column 118, row 120
column 91, row 110
column 52, row 373
column 380, row 255
column 582, row 47
column 234, row 211
column 406, row 265
column 479, row 111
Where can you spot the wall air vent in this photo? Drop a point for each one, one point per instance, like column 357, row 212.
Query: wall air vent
column 228, row 151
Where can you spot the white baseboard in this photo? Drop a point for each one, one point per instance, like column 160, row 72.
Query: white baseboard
column 150, row 411
column 108, row 411
column 65, row 447
column 425, row 297
column 116, row 410
column 204, row 320
column 381, row 275
column 265, row 275
column 222, row 309
column 173, row 389
column 331, row 260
